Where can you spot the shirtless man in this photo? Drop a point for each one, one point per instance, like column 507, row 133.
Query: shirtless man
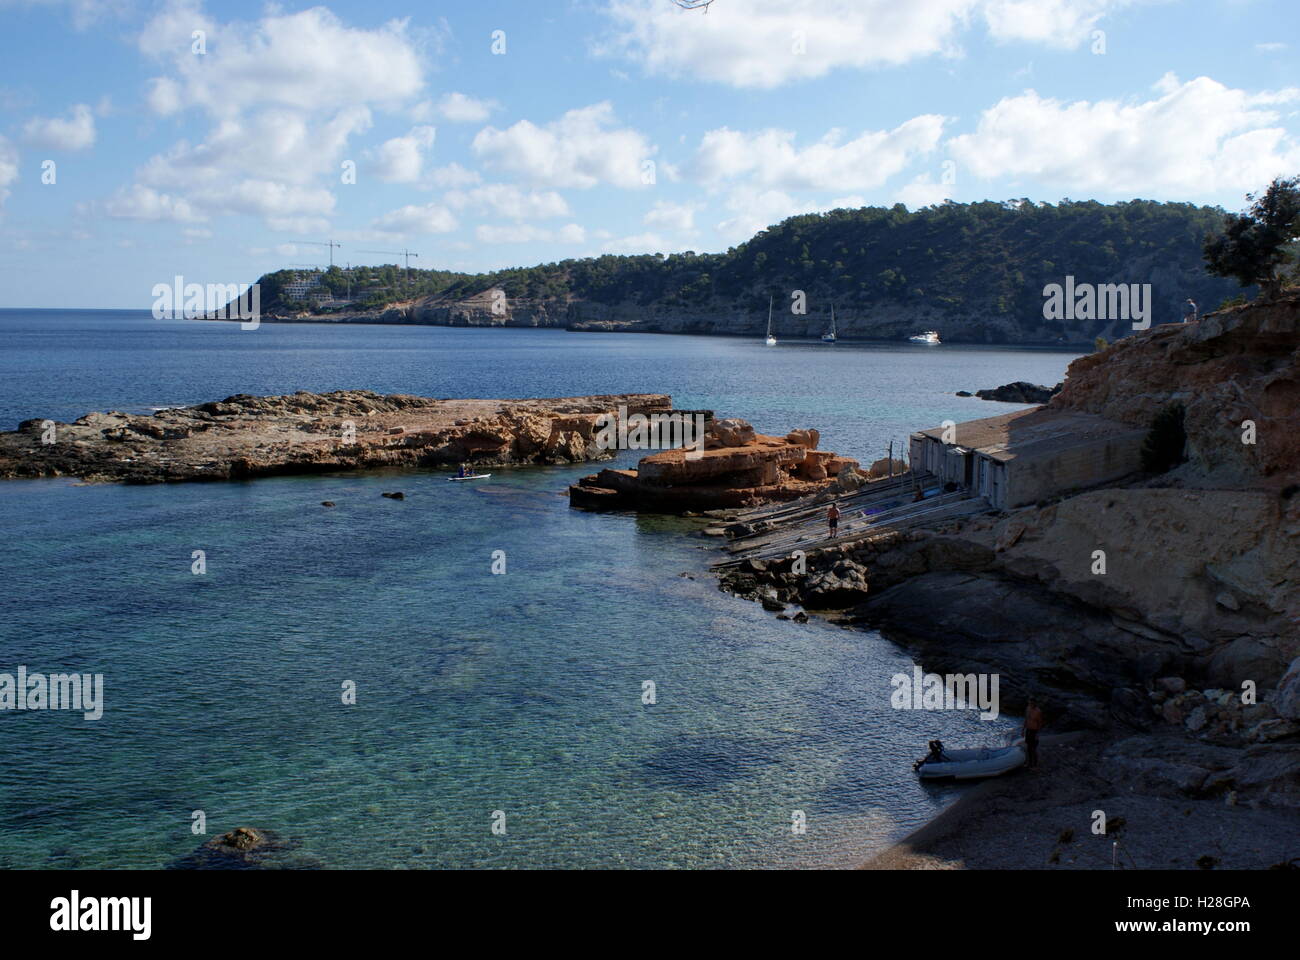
column 833, row 518
column 1033, row 723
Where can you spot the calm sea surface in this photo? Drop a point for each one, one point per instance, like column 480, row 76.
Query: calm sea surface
column 476, row 693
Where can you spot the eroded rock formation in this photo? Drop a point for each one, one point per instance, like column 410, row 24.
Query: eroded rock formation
column 736, row 468
column 246, row 436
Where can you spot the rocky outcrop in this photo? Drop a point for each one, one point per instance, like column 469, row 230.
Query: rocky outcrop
column 1236, row 365
column 736, row 468
column 246, row 436
column 1022, row 391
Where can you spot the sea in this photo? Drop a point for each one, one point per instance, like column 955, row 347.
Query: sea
column 360, row 681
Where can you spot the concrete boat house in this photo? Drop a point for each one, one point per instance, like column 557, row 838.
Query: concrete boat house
column 1027, row 456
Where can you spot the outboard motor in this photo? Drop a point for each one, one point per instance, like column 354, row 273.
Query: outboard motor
column 934, row 756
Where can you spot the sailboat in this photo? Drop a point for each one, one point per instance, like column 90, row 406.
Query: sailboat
column 771, row 340
column 830, row 337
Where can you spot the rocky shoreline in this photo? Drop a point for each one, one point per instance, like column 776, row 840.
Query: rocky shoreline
column 245, row 436
column 1179, row 657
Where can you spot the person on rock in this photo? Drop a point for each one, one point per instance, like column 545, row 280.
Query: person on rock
column 833, row 518
column 1033, row 724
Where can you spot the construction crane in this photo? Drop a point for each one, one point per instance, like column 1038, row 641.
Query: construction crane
column 397, row 253
column 316, row 243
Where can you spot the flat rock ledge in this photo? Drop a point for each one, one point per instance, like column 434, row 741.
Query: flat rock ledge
column 247, row 436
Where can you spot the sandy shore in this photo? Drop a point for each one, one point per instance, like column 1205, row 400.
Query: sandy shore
column 1043, row 819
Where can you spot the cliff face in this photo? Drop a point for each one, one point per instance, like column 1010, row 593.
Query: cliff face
column 1237, row 365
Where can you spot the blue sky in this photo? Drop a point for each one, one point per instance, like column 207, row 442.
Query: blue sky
column 627, row 126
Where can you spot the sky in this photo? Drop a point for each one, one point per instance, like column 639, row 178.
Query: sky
column 146, row 139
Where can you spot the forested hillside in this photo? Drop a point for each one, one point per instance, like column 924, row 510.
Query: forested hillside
column 974, row 271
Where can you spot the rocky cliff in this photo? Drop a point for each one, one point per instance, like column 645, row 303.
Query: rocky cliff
column 1236, row 372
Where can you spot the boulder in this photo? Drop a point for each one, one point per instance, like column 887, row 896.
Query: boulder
column 732, row 432
column 804, row 438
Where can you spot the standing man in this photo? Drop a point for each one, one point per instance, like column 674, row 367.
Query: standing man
column 833, row 518
column 1189, row 311
column 1033, row 723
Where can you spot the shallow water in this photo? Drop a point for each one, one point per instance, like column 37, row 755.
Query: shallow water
column 476, row 692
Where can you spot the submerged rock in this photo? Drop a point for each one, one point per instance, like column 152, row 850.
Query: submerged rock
column 245, row 848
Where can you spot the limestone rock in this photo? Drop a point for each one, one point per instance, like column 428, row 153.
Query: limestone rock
column 732, row 432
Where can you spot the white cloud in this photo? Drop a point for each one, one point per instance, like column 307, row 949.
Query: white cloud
column 308, row 60
column 429, row 218
column 755, row 210
column 767, row 43
column 770, row 158
column 8, row 168
column 922, row 192
column 678, row 217
column 286, row 93
column 1194, row 138
column 648, row 242
column 1053, row 23
column 581, row 149
column 528, row 233
column 755, row 44
column 401, row 159
column 142, row 203
column 276, row 144
column 269, row 198
column 456, row 108
column 453, row 175
column 77, row 132
column 508, row 200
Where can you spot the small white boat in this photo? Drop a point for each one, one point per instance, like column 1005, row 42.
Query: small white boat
column 830, row 337
column 771, row 340
column 930, row 336
column 969, row 764
column 472, row 476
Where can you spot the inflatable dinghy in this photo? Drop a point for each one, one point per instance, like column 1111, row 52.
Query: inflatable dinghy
column 969, row 764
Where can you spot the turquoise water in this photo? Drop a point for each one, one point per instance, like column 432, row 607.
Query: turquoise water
column 476, row 692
